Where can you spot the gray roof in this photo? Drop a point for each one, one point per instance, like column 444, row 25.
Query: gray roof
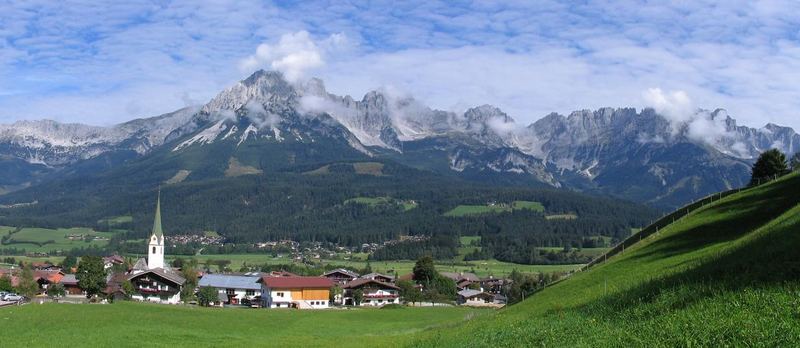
column 140, row 265
column 461, row 276
column 467, row 293
column 228, row 281
column 69, row 279
column 374, row 274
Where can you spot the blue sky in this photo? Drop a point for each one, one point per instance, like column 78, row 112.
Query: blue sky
column 77, row 61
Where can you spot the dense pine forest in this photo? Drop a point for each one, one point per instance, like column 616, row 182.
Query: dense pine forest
column 304, row 206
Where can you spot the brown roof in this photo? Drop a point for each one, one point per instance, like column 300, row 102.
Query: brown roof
column 282, row 274
column 165, row 274
column 361, row 282
column 297, row 282
column 52, row 276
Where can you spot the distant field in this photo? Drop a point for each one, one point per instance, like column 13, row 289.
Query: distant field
column 465, row 210
column 116, row 220
column 52, row 259
column 376, row 201
column 561, row 217
column 364, row 168
column 592, row 252
column 482, row 267
column 178, row 326
column 48, row 240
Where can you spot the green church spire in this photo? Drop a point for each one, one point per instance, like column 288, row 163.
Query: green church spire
column 157, row 222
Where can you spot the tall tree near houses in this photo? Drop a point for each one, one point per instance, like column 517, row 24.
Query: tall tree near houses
column 91, row 275
column 5, row 283
column 770, row 164
column 424, row 270
column 27, row 285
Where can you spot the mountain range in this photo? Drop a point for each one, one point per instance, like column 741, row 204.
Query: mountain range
column 265, row 124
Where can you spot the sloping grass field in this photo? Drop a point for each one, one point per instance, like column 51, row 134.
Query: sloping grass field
column 126, row 324
column 726, row 275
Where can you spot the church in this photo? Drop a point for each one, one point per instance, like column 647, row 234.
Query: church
column 152, row 279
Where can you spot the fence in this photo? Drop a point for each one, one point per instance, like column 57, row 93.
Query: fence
column 665, row 221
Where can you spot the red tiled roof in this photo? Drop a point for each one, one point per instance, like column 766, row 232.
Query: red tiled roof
column 297, row 282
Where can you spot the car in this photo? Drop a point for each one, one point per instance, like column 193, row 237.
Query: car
column 2, row 294
column 12, row 298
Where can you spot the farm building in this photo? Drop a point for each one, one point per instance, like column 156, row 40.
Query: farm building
column 471, row 297
column 379, row 277
column 70, row 284
column 374, row 293
column 296, row 292
column 340, row 275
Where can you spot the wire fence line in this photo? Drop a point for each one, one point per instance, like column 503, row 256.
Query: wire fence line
column 667, row 220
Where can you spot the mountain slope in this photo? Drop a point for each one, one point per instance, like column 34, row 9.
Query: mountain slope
column 726, row 275
column 640, row 156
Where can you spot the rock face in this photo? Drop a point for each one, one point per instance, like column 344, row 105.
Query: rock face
column 638, row 155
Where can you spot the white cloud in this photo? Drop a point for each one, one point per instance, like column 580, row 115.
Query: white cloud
column 684, row 118
column 675, row 105
column 295, row 54
column 260, row 116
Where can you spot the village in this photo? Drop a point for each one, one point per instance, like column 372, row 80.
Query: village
column 152, row 280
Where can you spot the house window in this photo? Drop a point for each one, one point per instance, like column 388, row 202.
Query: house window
column 230, row 292
column 154, row 250
column 280, row 294
column 249, row 292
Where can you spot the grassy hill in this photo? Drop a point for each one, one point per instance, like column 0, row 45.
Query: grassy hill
column 726, row 275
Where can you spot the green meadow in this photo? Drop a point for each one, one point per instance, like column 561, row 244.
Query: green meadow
column 126, row 324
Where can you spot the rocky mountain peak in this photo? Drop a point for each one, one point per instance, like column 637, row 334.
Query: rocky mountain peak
column 265, row 87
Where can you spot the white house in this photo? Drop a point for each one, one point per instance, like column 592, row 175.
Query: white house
column 234, row 289
column 476, row 298
column 296, row 292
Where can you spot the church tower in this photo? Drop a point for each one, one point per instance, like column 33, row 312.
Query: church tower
column 155, row 248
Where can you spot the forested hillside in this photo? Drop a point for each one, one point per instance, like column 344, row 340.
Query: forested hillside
column 306, row 203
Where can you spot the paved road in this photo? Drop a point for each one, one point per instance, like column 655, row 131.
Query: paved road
column 7, row 303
